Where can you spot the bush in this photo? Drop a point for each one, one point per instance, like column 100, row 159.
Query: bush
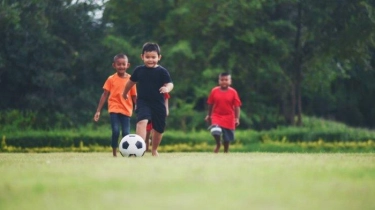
column 315, row 130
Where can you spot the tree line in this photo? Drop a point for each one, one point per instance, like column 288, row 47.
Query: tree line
column 288, row 58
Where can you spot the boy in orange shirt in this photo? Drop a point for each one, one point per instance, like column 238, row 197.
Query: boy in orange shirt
column 223, row 112
column 120, row 110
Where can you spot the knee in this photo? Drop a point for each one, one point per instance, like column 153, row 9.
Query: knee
column 142, row 123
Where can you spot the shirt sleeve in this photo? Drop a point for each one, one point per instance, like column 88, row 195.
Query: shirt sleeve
column 237, row 100
column 210, row 99
column 134, row 75
column 107, row 85
column 166, row 76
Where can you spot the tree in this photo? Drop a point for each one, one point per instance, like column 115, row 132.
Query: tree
column 40, row 44
column 334, row 32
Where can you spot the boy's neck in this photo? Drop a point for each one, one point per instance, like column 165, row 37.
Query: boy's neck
column 124, row 75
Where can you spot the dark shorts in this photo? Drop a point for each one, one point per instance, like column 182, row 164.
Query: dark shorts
column 152, row 112
column 227, row 134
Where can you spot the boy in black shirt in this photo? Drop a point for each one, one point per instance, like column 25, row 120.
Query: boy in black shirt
column 152, row 82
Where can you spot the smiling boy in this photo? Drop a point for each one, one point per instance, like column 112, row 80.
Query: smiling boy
column 120, row 110
column 152, row 82
column 223, row 112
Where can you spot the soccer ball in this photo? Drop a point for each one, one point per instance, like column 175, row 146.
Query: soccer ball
column 132, row 145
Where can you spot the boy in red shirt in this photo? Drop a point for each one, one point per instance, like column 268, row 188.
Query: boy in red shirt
column 120, row 110
column 223, row 112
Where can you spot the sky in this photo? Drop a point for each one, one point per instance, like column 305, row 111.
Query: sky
column 99, row 13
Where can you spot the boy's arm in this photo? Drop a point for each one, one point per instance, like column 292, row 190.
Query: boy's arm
column 167, row 105
column 237, row 111
column 128, row 86
column 134, row 99
column 208, row 117
column 102, row 100
column 168, row 87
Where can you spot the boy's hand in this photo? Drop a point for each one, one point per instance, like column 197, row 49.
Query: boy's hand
column 96, row 116
column 237, row 121
column 208, row 119
column 125, row 96
column 164, row 90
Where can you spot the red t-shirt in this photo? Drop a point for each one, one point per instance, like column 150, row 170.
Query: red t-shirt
column 223, row 103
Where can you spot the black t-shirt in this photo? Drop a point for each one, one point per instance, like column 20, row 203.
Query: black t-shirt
column 149, row 81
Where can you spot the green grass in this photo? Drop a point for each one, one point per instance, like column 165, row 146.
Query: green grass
column 187, row 181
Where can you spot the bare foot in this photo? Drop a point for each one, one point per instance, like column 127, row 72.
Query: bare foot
column 155, row 153
column 114, row 152
column 216, row 150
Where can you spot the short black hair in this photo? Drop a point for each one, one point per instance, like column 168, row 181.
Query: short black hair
column 149, row 47
column 224, row 74
column 121, row 55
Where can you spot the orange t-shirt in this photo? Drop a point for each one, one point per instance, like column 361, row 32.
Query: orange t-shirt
column 115, row 85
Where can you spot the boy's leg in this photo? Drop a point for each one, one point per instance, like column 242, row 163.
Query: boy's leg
column 226, row 146
column 218, row 143
column 156, row 139
column 114, row 152
column 143, row 116
column 228, row 136
column 147, row 140
column 141, row 128
column 148, row 135
column 125, row 124
column 216, row 132
column 151, row 137
column 158, row 124
column 115, row 125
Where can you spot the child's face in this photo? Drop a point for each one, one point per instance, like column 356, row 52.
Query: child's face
column 225, row 81
column 121, row 64
column 151, row 59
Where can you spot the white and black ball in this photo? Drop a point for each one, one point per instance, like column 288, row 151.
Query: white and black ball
column 132, row 145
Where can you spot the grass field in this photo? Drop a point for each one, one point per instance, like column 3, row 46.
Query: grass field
column 187, row 181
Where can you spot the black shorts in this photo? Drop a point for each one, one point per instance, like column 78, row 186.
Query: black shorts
column 226, row 134
column 152, row 111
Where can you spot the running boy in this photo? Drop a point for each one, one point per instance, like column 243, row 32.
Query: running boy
column 120, row 110
column 153, row 81
column 223, row 112
column 149, row 124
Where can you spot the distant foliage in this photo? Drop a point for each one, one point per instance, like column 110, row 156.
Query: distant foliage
column 288, row 59
column 317, row 135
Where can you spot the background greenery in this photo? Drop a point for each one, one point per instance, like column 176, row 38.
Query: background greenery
column 315, row 136
column 288, row 58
